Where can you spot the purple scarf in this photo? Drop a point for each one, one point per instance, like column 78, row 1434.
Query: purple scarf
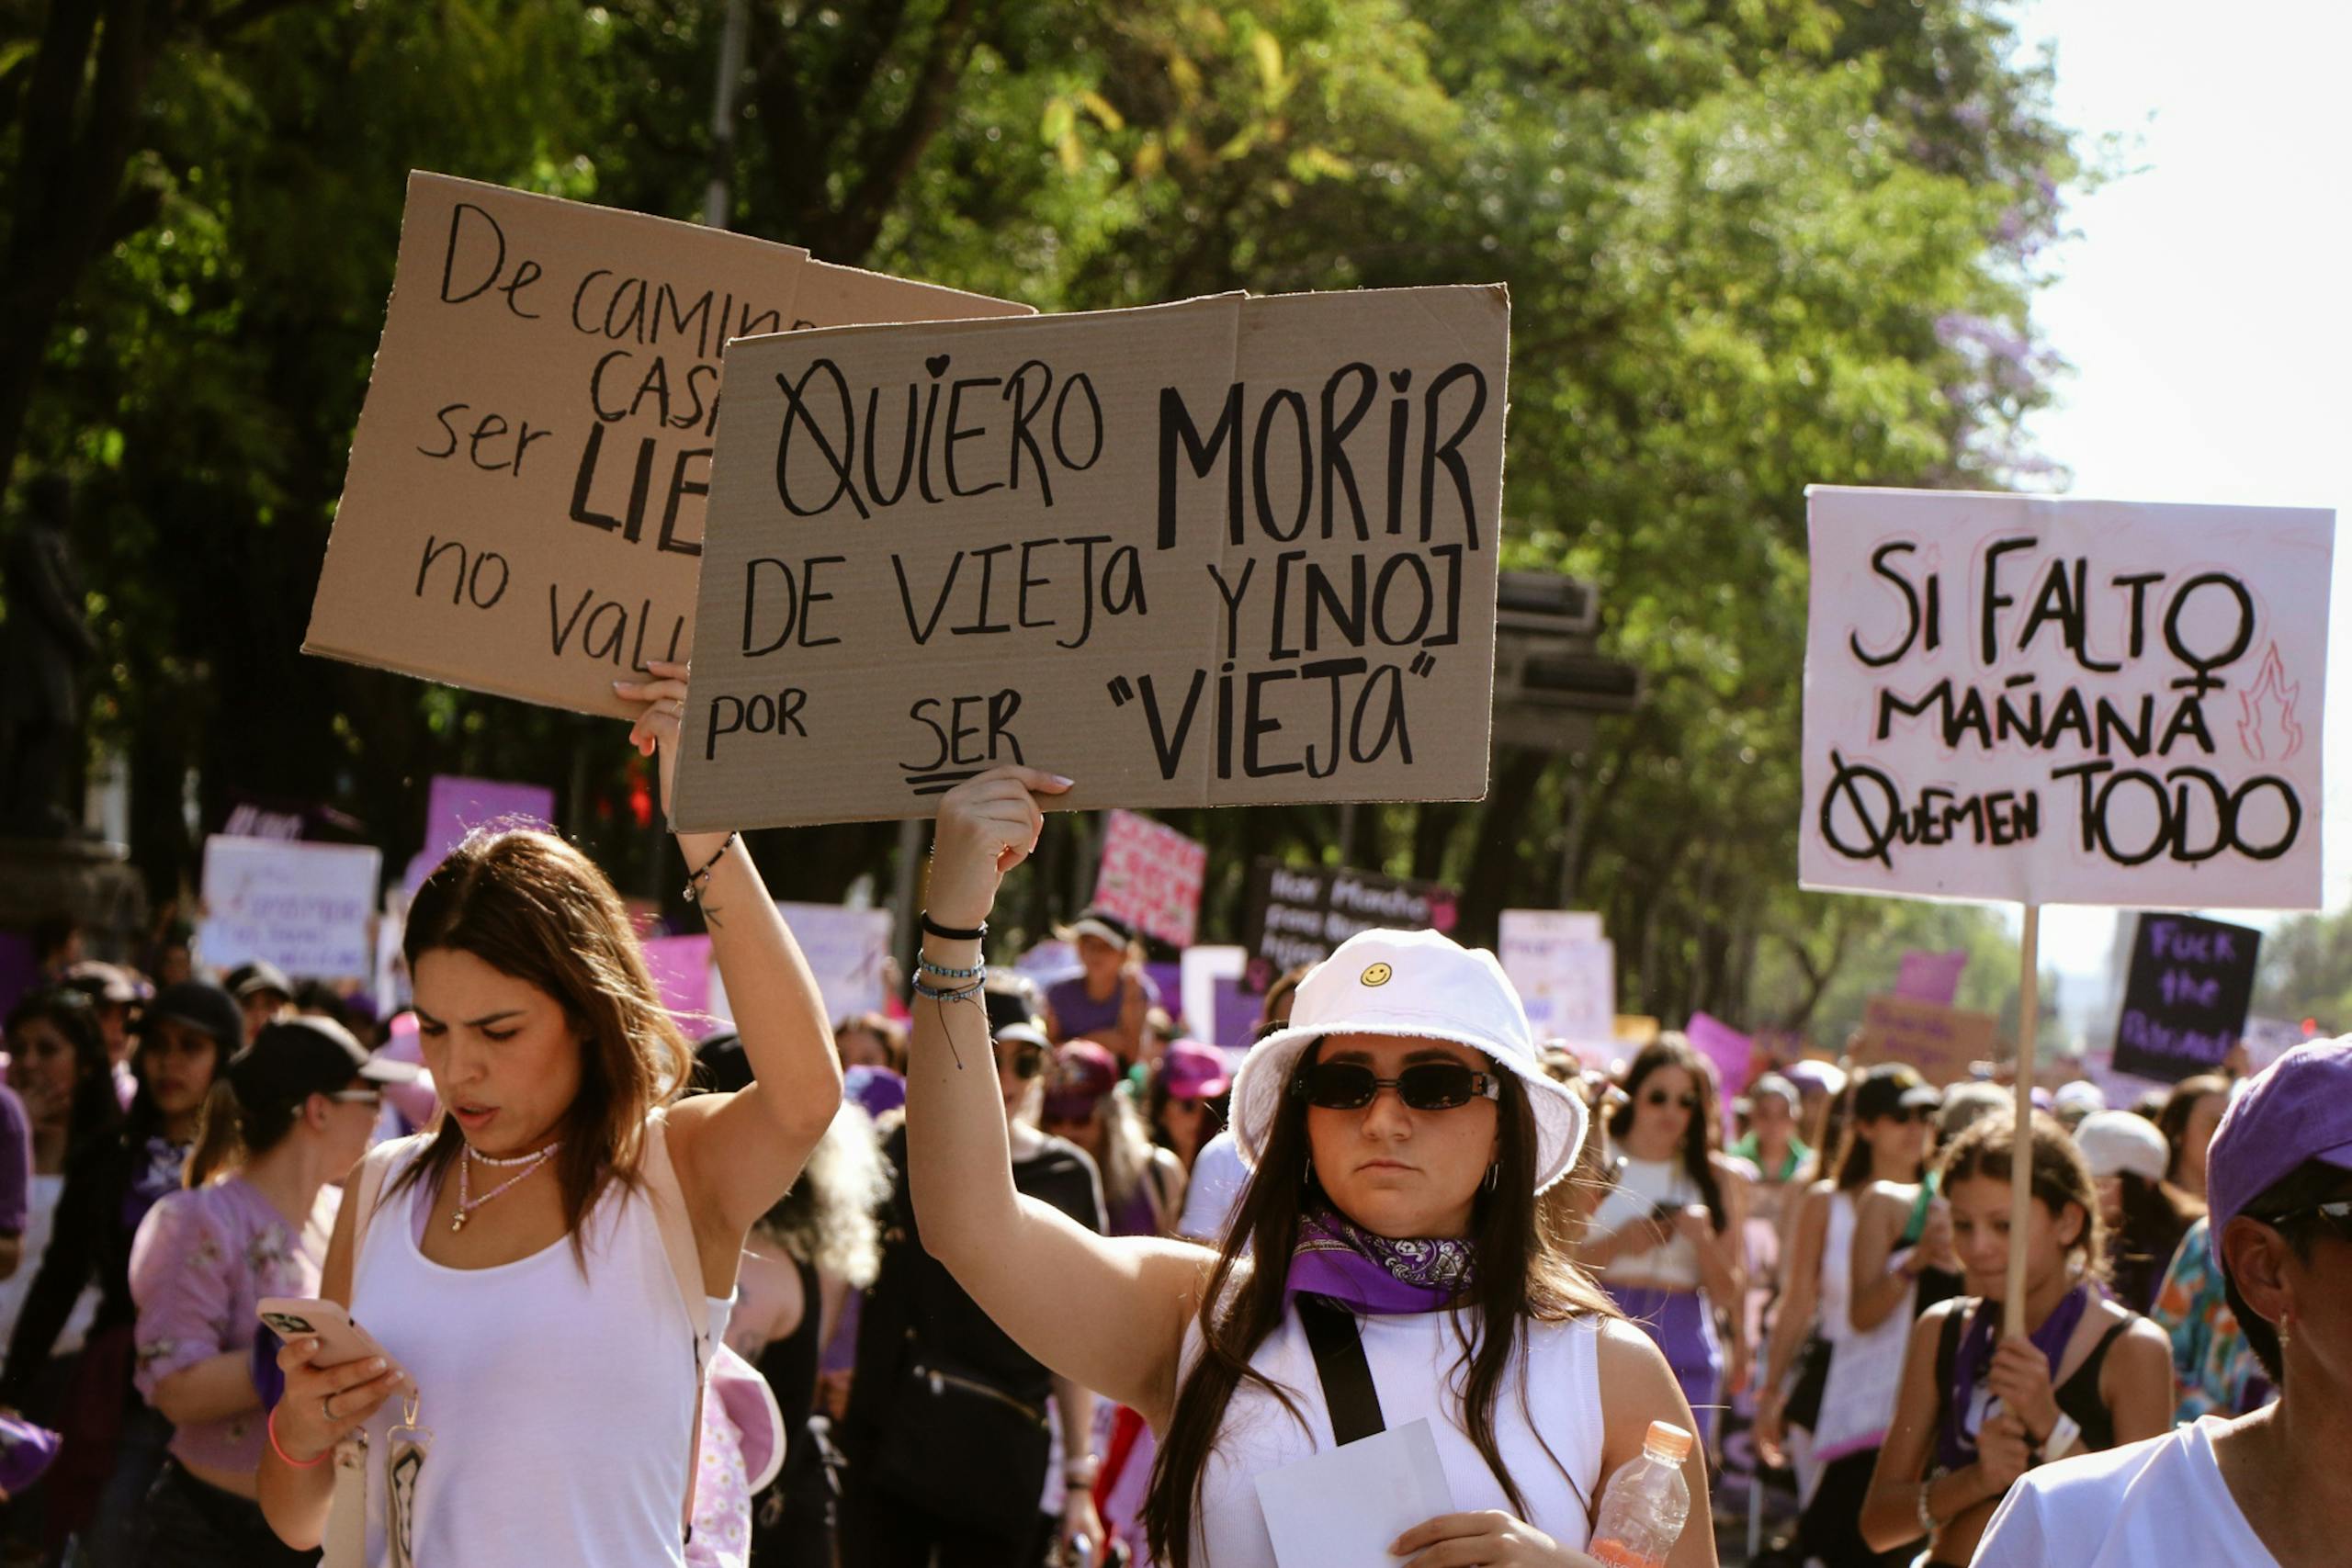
column 1963, row 1414
column 1373, row 1274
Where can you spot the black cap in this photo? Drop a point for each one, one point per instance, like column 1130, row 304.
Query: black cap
column 296, row 1058
column 1012, row 1010
column 260, row 975
column 721, row 1065
column 201, row 1006
column 1890, row 1086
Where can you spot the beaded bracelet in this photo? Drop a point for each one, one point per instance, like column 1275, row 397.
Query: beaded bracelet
column 977, row 972
column 971, row 993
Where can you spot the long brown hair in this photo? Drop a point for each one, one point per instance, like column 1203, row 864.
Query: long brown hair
column 1517, row 1277
column 532, row 907
column 1673, row 1049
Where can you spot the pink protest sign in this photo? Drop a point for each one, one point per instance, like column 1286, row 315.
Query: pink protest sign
column 1151, row 874
column 455, row 806
column 1931, row 977
column 680, row 968
column 1726, row 1047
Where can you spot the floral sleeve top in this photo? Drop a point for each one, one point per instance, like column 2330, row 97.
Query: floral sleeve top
column 199, row 1267
column 2216, row 1368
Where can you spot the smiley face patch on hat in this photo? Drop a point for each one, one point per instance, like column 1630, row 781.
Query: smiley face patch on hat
column 1377, row 975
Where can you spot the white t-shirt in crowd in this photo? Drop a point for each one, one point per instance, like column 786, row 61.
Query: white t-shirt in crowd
column 2159, row 1501
column 1218, row 1176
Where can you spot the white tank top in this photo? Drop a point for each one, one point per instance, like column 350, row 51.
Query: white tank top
column 1836, row 1292
column 1414, row 1369
column 1642, row 1185
column 1866, row 1367
column 561, row 1405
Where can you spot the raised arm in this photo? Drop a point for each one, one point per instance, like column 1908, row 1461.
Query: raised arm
column 737, row 1153
column 1107, row 1313
column 1878, row 1290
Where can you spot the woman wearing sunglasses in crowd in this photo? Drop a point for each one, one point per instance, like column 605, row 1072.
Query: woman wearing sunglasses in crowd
column 1847, row 1264
column 946, row 1431
column 1667, row 1240
column 293, row 1111
column 1400, row 1130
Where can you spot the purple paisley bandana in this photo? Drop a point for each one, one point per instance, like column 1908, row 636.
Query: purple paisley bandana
column 1374, row 1274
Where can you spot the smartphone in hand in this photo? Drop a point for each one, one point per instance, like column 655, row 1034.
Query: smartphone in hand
column 341, row 1340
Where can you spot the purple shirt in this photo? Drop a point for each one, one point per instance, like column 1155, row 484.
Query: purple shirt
column 16, row 1166
column 1079, row 1016
column 199, row 1267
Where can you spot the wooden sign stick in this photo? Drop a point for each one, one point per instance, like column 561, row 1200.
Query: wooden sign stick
column 2022, row 1161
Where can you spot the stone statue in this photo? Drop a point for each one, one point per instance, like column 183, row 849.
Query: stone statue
column 42, row 644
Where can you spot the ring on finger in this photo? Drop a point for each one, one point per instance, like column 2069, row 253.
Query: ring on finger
column 326, row 1407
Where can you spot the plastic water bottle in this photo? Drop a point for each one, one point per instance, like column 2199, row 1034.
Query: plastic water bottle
column 1642, row 1511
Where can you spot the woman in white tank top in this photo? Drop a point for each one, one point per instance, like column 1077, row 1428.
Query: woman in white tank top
column 513, row 1268
column 1400, row 1129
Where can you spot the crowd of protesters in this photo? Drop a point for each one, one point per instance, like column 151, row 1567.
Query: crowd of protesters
column 1040, row 1278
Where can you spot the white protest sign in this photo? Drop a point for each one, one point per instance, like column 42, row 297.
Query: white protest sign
column 1565, row 972
column 848, row 951
column 1151, row 874
column 302, row 907
column 2078, row 702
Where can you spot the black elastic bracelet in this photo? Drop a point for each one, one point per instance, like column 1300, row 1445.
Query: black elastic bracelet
column 949, row 933
column 694, row 883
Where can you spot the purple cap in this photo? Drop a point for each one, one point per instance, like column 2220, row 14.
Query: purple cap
column 874, row 1090
column 2297, row 1109
column 1083, row 1073
column 1194, row 1071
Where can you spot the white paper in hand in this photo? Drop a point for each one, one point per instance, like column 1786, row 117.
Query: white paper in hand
column 1343, row 1509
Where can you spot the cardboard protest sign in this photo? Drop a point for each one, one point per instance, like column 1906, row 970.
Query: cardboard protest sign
column 1225, row 552
column 1940, row 1042
column 1931, row 977
column 302, row 907
column 524, row 509
column 1151, row 876
column 2186, row 998
column 1299, row 914
column 2078, row 702
column 1564, row 970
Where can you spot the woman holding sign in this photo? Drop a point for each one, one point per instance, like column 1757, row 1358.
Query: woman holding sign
column 547, row 1267
column 1976, row 1411
column 1383, row 1270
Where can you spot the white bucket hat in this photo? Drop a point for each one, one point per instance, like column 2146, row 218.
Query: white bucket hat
column 1426, row 986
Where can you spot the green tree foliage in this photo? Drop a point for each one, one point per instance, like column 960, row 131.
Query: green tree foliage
column 1752, row 244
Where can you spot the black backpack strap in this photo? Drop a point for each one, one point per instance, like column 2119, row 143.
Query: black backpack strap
column 1341, row 1364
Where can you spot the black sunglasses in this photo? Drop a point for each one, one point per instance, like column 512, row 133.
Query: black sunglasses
column 2337, row 1215
column 1027, row 1062
column 1659, row 1097
column 1426, row 1085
